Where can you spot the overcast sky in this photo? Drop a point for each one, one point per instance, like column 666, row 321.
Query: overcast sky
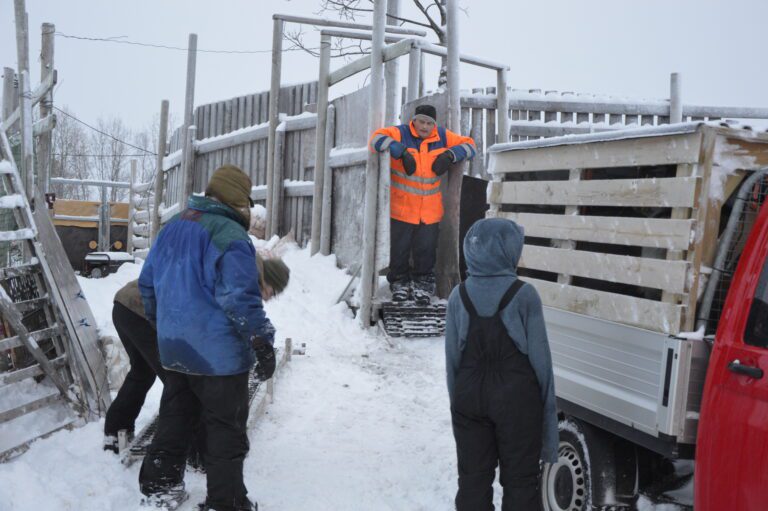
column 610, row 46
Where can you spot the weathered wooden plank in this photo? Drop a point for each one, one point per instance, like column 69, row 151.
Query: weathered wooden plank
column 638, row 271
column 29, row 372
column 683, row 148
column 664, row 193
column 223, row 143
column 642, row 232
column 639, row 312
column 26, row 408
column 38, row 335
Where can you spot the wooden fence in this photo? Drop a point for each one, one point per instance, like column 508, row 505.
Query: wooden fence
column 235, row 131
column 535, row 114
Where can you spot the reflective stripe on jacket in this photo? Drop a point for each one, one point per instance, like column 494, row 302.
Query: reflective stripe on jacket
column 416, row 199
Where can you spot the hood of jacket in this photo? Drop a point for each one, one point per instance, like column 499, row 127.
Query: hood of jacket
column 492, row 247
column 209, row 205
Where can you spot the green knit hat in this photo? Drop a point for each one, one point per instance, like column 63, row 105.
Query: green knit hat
column 231, row 186
column 276, row 274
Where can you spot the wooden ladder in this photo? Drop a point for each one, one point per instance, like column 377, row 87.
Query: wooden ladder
column 52, row 378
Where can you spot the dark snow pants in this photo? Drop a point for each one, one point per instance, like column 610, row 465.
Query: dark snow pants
column 140, row 342
column 412, row 240
column 221, row 403
column 497, row 416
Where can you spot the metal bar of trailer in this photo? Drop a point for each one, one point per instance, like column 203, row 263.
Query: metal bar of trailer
column 390, row 52
column 89, row 182
column 322, row 22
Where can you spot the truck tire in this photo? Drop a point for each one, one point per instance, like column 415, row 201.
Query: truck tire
column 595, row 470
column 565, row 485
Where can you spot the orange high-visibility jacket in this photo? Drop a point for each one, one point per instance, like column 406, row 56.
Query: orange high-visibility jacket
column 416, row 199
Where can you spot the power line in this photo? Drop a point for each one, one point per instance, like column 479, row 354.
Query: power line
column 104, row 133
column 163, row 46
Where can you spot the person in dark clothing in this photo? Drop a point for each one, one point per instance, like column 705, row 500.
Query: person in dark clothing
column 140, row 342
column 420, row 153
column 201, row 287
column 499, row 373
column 139, row 339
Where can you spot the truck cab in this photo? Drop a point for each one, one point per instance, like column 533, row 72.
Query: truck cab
column 732, row 447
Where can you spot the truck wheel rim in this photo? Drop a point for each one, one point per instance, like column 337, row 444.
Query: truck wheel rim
column 565, row 481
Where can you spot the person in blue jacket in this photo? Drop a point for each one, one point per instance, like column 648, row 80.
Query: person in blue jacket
column 200, row 286
column 499, row 370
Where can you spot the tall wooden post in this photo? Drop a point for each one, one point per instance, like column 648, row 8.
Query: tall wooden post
column 159, row 173
column 391, row 74
column 188, row 152
column 326, row 226
column 414, row 74
column 46, row 108
column 454, row 92
column 274, row 96
column 320, row 132
column 22, row 36
column 131, row 210
column 675, row 98
column 104, row 215
column 375, row 120
column 447, row 267
column 502, row 105
column 27, row 141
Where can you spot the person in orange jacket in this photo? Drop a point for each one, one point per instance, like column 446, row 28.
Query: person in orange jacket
column 421, row 152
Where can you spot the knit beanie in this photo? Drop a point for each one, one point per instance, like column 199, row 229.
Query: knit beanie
column 276, row 274
column 426, row 111
column 231, row 186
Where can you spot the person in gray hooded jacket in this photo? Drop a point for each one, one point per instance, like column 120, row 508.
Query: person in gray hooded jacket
column 499, row 372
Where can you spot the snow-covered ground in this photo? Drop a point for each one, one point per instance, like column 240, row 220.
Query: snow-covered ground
column 357, row 423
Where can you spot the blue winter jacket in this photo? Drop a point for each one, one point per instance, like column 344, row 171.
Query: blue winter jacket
column 200, row 284
column 492, row 248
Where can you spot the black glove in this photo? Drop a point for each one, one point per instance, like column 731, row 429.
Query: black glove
column 442, row 163
column 409, row 163
column 265, row 358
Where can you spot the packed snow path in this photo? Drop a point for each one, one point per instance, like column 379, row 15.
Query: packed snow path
column 356, row 424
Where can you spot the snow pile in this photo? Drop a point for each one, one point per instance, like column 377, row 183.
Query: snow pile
column 355, row 424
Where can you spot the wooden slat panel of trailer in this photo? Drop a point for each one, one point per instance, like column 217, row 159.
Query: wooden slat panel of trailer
column 638, row 271
column 643, row 232
column 643, row 151
column 639, row 312
column 655, row 192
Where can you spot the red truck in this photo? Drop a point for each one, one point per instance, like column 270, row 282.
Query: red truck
column 649, row 250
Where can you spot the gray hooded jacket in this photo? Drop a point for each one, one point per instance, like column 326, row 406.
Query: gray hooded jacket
column 492, row 248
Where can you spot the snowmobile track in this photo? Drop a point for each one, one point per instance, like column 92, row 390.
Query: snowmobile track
column 409, row 319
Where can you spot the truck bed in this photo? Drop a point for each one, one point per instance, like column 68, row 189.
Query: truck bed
column 644, row 380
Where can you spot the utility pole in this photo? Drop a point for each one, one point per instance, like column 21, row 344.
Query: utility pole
column 46, row 108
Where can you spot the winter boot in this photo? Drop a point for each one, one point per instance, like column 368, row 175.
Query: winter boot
column 400, row 290
column 168, row 499
column 112, row 442
column 423, row 289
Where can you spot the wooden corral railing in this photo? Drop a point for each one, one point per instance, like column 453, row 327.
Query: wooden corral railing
column 535, row 114
column 235, row 131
